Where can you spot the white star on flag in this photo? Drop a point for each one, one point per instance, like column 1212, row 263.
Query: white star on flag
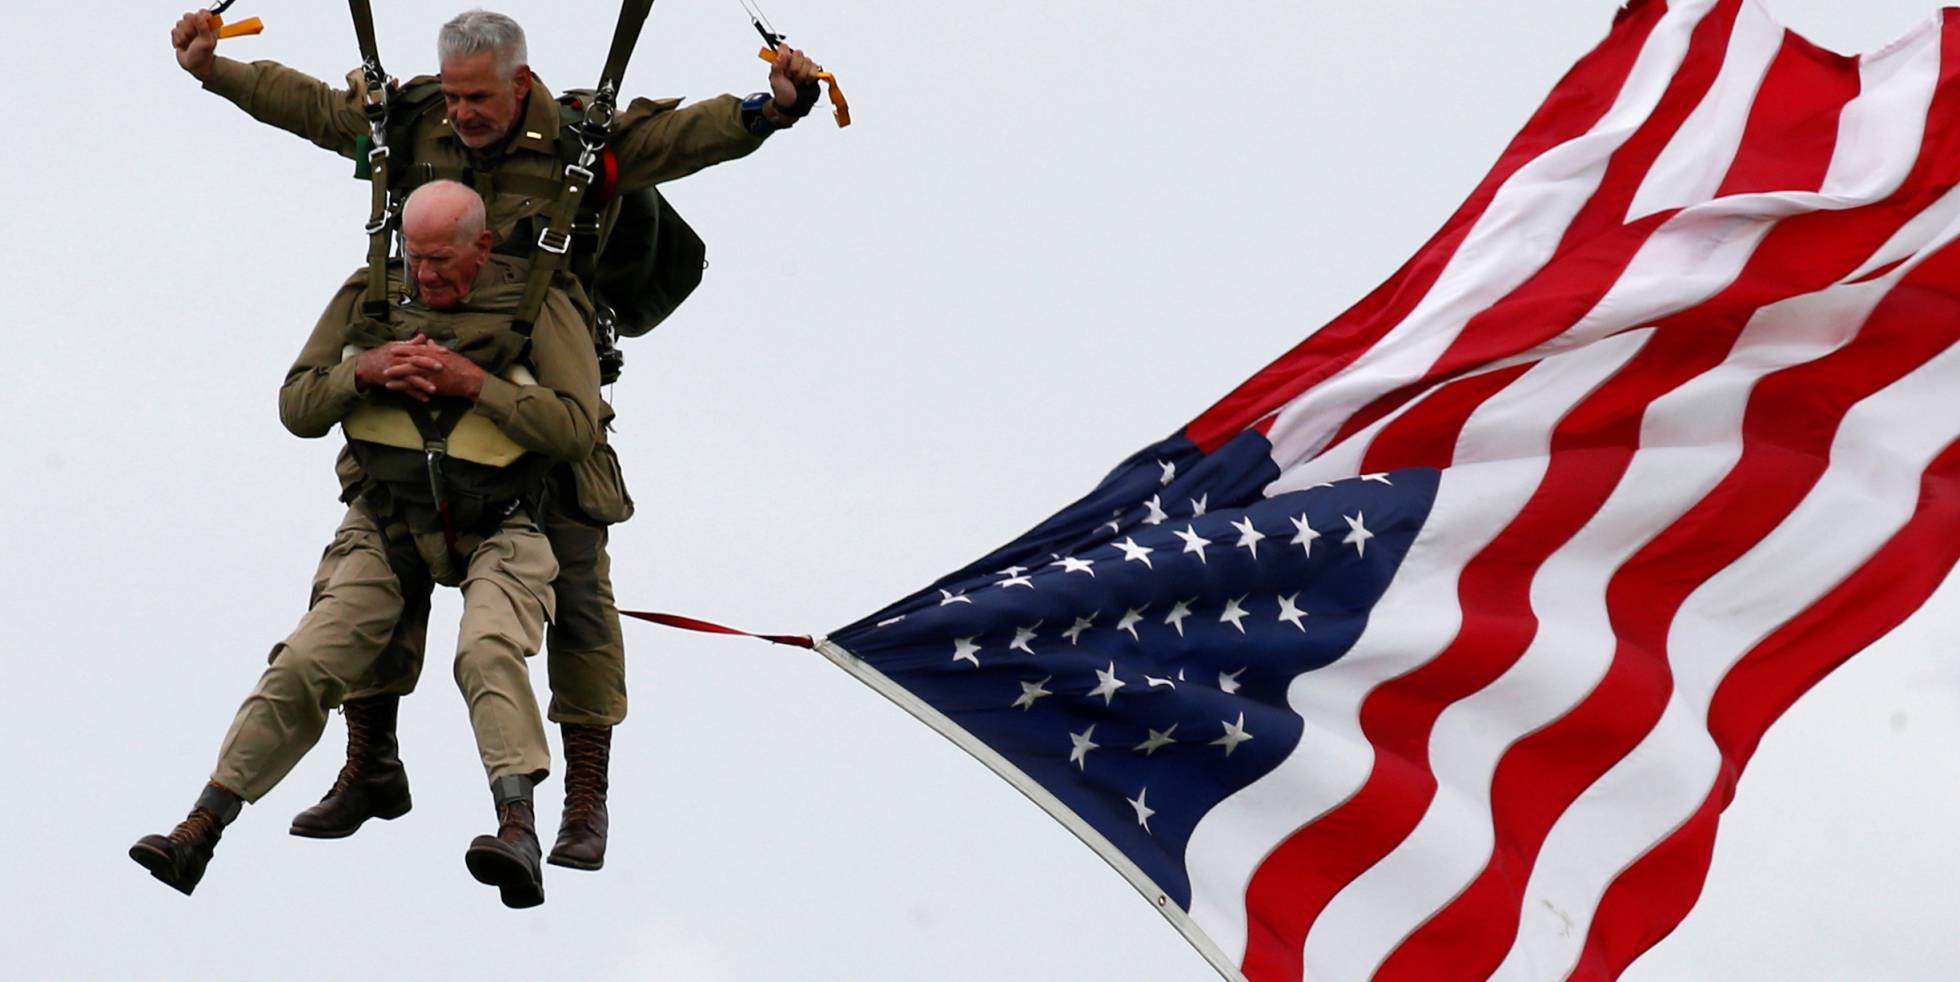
column 949, row 597
column 1023, row 635
column 1234, row 615
column 1248, row 536
column 1158, row 740
column 1198, row 505
column 1229, row 684
column 1378, row 479
column 1133, row 553
column 1129, row 621
column 1143, row 811
column 1170, row 472
column 1193, row 542
column 1358, row 534
column 1303, row 535
column 1073, row 565
column 1079, row 754
column 1235, row 734
column 965, row 650
column 1075, row 630
column 1106, row 684
column 1014, row 577
column 1030, row 691
column 1177, row 615
column 1157, row 516
column 1290, row 612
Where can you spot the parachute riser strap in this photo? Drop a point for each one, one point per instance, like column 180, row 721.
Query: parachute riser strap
column 555, row 240
column 374, row 104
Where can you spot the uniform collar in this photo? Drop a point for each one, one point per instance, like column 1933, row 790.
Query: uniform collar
column 537, row 129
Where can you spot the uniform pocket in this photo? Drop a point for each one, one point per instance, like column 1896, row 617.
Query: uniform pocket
column 601, row 487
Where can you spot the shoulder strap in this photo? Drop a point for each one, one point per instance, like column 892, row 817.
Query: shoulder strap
column 375, row 105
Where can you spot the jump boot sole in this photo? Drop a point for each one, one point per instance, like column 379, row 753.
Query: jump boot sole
column 158, row 863
column 493, row 866
column 567, row 862
column 393, row 812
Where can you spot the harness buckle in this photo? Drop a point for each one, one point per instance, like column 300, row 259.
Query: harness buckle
column 377, row 226
column 574, row 172
column 556, row 244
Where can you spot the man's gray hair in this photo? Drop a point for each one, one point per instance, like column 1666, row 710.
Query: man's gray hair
column 475, row 31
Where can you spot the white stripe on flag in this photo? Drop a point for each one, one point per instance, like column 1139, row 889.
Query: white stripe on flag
column 1415, row 620
column 1877, row 457
column 1511, row 241
column 1690, row 170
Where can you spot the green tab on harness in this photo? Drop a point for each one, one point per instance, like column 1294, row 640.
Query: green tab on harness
column 363, row 144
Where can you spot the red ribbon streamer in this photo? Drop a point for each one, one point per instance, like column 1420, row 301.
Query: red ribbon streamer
column 709, row 627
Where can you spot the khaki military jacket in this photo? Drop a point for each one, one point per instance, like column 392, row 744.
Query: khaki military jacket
column 653, row 141
column 560, row 417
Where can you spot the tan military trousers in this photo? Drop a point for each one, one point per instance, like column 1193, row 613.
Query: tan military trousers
column 357, row 600
column 586, row 654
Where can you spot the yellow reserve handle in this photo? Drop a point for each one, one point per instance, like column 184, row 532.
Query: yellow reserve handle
column 238, row 29
column 840, row 110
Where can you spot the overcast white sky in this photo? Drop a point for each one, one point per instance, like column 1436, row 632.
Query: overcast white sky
column 1057, row 232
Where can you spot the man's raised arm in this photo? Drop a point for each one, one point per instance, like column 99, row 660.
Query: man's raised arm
column 270, row 92
column 656, row 146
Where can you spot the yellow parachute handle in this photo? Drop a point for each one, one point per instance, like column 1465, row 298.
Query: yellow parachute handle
column 248, row 26
column 840, row 110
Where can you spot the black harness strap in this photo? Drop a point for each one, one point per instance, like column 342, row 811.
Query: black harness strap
column 555, row 239
column 375, row 105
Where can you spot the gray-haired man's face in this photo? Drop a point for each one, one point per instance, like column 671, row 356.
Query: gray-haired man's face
column 483, row 109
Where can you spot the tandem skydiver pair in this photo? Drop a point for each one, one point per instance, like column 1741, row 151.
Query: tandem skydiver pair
column 464, row 369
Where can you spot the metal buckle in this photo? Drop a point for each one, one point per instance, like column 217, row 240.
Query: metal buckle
column 377, row 226
column 563, row 243
column 574, row 172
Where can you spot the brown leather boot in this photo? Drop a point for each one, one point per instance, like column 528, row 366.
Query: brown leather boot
column 178, row 859
column 372, row 784
column 582, row 831
column 509, row 860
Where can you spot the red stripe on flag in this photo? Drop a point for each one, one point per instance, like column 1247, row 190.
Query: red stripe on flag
column 1427, row 434
column 1651, row 897
column 1787, row 432
column 1575, row 105
column 1597, row 246
column 1793, row 125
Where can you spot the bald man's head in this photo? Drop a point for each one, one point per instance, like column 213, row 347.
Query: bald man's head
column 444, row 227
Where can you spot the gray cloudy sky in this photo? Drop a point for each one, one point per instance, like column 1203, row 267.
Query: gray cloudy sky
column 1057, row 231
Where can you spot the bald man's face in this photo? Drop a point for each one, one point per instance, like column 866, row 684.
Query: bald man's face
column 443, row 266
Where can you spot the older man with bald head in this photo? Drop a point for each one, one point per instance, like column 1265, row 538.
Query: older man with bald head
column 454, row 416
column 487, row 119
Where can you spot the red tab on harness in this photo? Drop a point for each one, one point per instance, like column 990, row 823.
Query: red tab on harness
column 707, row 627
column 608, row 172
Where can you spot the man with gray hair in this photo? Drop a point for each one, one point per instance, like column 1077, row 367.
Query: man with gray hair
column 499, row 130
column 455, row 416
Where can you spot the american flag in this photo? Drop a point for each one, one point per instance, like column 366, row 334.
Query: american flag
column 1436, row 649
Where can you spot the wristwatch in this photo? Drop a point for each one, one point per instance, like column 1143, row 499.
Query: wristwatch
column 761, row 117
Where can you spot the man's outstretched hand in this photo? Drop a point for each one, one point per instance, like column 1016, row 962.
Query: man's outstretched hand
column 793, row 81
column 196, row 42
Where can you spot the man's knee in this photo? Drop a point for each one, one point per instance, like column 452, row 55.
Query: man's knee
column 302, row 676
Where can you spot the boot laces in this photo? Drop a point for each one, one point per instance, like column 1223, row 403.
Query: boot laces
column 585, row 781
column 359, row 735
column 199, row 825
